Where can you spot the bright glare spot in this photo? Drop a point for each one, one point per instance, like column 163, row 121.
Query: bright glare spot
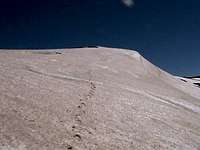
column 128, row 3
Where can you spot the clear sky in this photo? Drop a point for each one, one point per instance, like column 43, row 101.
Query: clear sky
column 167, row 32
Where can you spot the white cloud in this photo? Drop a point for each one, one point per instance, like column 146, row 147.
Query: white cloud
column 128, row 3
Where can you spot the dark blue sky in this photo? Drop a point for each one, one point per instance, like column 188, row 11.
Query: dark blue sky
column 167, row 32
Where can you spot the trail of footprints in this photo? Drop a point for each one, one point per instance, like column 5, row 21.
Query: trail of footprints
column 79, row 128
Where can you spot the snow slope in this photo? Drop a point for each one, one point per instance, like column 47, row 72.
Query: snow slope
column 94, row 99
column 195, row 81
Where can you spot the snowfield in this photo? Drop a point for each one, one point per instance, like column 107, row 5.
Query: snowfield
column 94, row 99
column 191, row 80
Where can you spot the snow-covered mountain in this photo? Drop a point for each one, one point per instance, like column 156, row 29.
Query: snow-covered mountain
column 94, row 99
column 191, row 80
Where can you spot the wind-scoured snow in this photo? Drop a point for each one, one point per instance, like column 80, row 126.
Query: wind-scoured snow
column 94, row 98
column 194, row 81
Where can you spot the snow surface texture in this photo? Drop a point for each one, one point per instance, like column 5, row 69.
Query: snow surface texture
column 94, row 99
column 191, row 80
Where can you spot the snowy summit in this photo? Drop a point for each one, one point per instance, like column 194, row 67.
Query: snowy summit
column 94, row 98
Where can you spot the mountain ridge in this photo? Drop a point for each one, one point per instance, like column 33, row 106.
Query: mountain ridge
column 94, row 98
